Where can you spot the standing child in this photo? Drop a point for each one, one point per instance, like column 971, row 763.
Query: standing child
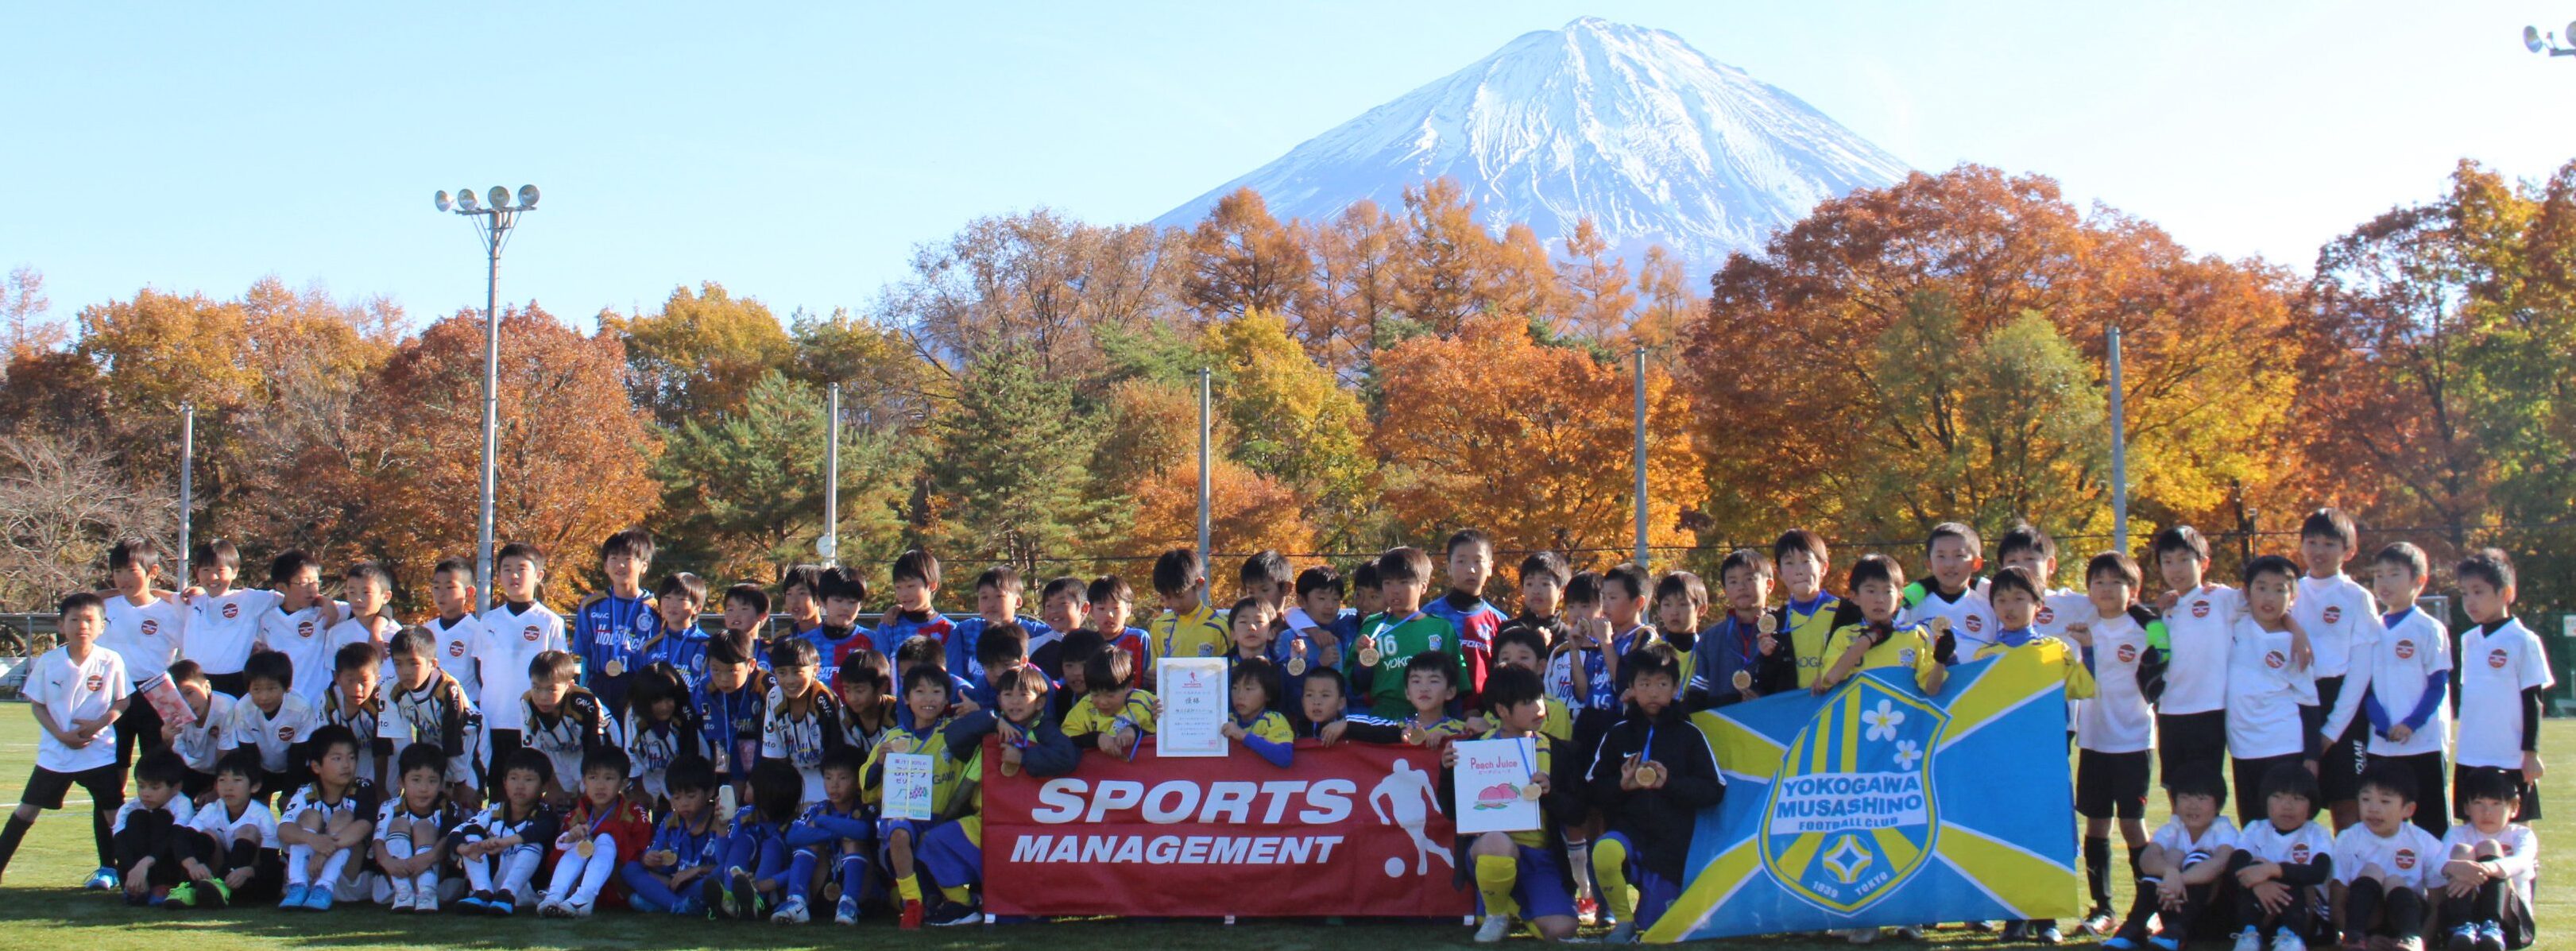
column 1793, row 649
column 844, row 592
column 1469, row 556
column 609, row 629
column 1112, row 601
column 2115, row 729
column 2404, row 675
column 833, row 837
column 746, row 616
column 2015, row 595
column 1062, row 606
column 602, row 825
column 800, row 721
column 2200, row 630
column 2337, row 621
column 1680, row 599
column 326, row 825
column 563, row 721
column 1878, row 641
column 199, row 743
column 298, row 626
column 925, row 690
column 2282, row 865
column 916, row 585
column 2503, row 674
column 502, row 848
column 687, row 845
column 145, row 626
column 1728, row 655
column 2028, row 548
column 1000, row 649
column 1430, row 687
column 1253, row 683
column 677, row 639
column 800, row 598
column 271, row 719
column 865, row 684
column 2272, row 707
column 1265, row 577
column 223, row 621
column 147, row 828
column 1523, row 875
column 76, row 692
column 411, row 833
column 1952, row 555
column 997, row 602
column 1317, row 620
column 1543, row 578
column 2386, row 864
column 2181, row 874
column 427, row 705
column 2494, row 861
column 1250, row 632
column 1188, row 626
column 1652, row 776
column 456, row 635
column 231, row 852
column 514, row 633
column 661, row 729
column 369, row 589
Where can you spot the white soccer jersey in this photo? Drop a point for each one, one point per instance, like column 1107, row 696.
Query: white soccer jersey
column 73, row 690
column 456, row 646
column 2059, row 608
column 352, row 630
column 2495, row 668
column 147, row 636
column 2299, row 846
column 512, row 638
column 201, row 743
column 799, row 739
column 179, row 808
column 1971, row 617
column 653, row 750
column 270, row 733
column 2411, row 854
column 218, row 820
column 222, row 628
column 2336, row 613
column 2521, row 858
column 2411, row 654
column 440, row 712
column 2202, row 629
column 2117, row 719
column 300, row 636
column 2176, row 839
column 2264, row 693
column 360, row 717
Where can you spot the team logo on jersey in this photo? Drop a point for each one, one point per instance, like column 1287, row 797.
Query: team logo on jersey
column 2496, row 658
column 286, row 734
column 1976, row 624
column 2405, row 650
column 1905, row 657
column 2200, row 608
column 456, row 649
column 530, row 634
column 232, row 611
column 151, row 627
column 2334, row 613
column 2299, row 853
column 304, row 629
column 1851, row 814
column 2047, row 615
column 2405, row 859
column 1435, row 642
column 2275, row 660
column 93, row 683
column 1207, row 650
column 2128, row 653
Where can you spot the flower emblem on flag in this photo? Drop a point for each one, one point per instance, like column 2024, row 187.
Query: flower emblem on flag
column 1908, row 753
column 1882, row 722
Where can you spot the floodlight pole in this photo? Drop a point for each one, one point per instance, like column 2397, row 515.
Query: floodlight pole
column 187, row 485
column 494, row 225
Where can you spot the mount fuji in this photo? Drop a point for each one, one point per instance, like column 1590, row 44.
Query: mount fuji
column 1650, row 138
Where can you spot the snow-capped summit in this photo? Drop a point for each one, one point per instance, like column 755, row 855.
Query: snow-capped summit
column 1652, row 139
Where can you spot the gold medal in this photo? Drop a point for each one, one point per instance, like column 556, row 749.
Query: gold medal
column 1414, row 734
column 615, row 668
column 1296, row 667
column 1531, row 792
column 1940, row 626
column 1648, row 772
column 1010, row 768
column 1743, row 680
column 1369, row 656
column 1767, row 623
column 584, row 848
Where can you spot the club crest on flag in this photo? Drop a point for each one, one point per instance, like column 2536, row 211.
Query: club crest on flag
column 1852, row 814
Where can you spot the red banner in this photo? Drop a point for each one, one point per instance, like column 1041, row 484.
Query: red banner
column 1348, row 830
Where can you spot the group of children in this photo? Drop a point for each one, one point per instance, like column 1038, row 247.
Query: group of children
column 500, row 757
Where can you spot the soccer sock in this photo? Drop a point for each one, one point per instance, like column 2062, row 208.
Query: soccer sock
column 2360, row 900
column 2405, row 913
column 102, row 825
column 398, row 846
column 800, row 874
column 957, row 893
column 1610, row 875
column 331, row 869
column 1578, row 853
column 299, row 862
column 853, row 875
column 908, row 886
column 645, row 892
column 1495, row 875
column 595, row 871
column 518, row 867
column 10, row 836
column 2097, row 869
column 478, row 873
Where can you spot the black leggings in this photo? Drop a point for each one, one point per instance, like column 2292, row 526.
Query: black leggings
column 2249, row 909
column 2398, row 913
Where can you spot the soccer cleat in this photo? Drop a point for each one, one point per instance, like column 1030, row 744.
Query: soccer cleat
column 744, row 901
column 1624, row 932
column 548, row 907
column 2408, row 943
column 1587, row 910
column 478, row 903
column 717, row 898
column 951, row 914
column 2048, row 934
column 103, row 880
column 1910, row 932
column 579, row 909
column 504, row 903
column 213, row 893
column 182, row 895
column 2016, row 930
column 2097, row 922
column 1493, row 928
column 911, row 920
column 791, row 912
column 425, row 903
column 1859, row 935
column 846, row 911
column 294, row 898
column 2491, row 936
column 319, row 898
column 2249, row 940
column 2288, row 940
column 2463, row 937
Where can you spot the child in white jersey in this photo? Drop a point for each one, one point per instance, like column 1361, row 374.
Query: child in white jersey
column 2183, row 871
column 2200, row 620
column 2503, row 674
column 2493, row 863
column 2404, row 674
column 2386, row 864
column 144, row 626
column 2115, row 729
column 2271, row 703
column 2339, row 619
column 2282, row 864
column 76, row 692
column 1951, row 590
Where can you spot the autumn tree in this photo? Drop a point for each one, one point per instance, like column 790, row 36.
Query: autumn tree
column 1038, row 285
column 1240, row 258
column 700, row 354
column 1358, row 281
column 1291, row 423
column 24, row 329
column 1488, row 428
column 1145, row 469
column 1596, row 291
column 62, row 503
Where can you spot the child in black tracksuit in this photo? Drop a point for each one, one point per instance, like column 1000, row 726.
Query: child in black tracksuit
column 1653, row 774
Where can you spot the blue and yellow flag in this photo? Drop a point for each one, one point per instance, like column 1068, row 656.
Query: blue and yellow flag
column 1877, row 805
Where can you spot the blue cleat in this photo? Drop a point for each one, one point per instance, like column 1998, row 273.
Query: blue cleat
column 103, row 880
column 294, row 896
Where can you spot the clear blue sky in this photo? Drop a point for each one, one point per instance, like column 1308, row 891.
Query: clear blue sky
column 798, row 153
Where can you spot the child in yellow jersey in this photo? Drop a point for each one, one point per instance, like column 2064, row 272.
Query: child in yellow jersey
column 1261, row 729
column 1877, row 641
column 1793, row 638
column 1523, row 874
column 925, row 693
column 1521, row 647
column 1188, row 626
column 1115, row 717
column 2015, row 596
column 1430, row 682
column 953, row 851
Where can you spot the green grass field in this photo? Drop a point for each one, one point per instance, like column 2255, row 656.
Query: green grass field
column 42, row 908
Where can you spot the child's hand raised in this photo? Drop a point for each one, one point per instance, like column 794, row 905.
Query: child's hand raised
column 1231, row 731
column 963, row 707
column 1628, row 774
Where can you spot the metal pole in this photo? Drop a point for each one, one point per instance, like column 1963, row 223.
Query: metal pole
column 1206, row 404
column 187, row 486
column 1641, row 457
column 832, row 485
column 2119, row 451
column 491, row 405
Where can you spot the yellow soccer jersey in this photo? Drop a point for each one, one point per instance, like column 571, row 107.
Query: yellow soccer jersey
column 2054, row 653
column 946, row 771
column 1907, row 647
column 1807, row 633
column 1199, row 633
column 1271, row 725
column 1086, row 718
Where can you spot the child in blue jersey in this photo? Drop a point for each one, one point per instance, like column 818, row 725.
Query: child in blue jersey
column 1470, row 563
column 953, row 850
column 800, row 599
column 1256, row 723
column 1062, row 605
column 746, row 612
column 997, row 602
column 677, row 640
column 916, row 584
column 688, row 844
column 1112, row 602
column 1726, row 661
column 610, row 629
column 733, row 705
column 1249, row 630
column 832, row 840
column 1317, row 619
column 838, row 634
column 1652, row 776
column 1000, row 649
column 923, row 651
column 2404, row 675
column 756, row 852
column 925, row 693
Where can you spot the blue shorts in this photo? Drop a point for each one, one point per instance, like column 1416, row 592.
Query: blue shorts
column 1539, row 886
column 886, row 829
